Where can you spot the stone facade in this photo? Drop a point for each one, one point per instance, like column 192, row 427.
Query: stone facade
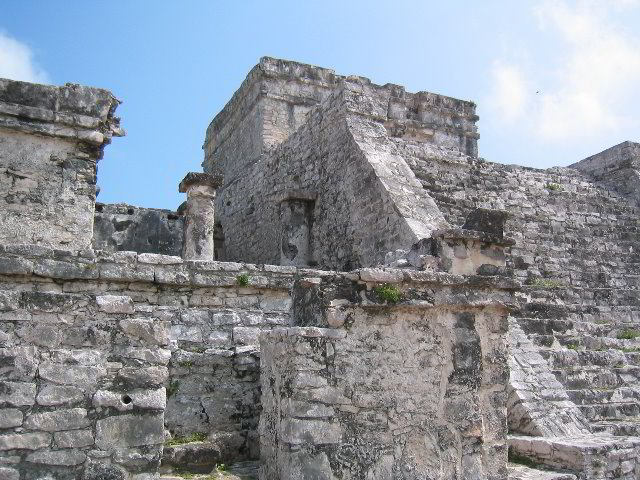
column 388, row 305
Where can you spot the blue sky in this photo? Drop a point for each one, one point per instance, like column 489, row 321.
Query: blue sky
column 555, row 81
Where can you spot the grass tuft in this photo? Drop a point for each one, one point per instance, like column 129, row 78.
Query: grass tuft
column 388, row 293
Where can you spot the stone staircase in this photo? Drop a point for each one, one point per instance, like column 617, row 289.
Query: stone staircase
column 595, row 353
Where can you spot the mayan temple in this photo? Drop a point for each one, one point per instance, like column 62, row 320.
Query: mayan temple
column 348, row 292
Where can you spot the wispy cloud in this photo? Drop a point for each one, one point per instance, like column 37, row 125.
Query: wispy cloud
column 587, row 86
column 17, row 62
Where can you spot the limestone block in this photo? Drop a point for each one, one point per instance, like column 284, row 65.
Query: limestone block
column 150, row 331
column 9, row 474
column 10, row 417
column 73, row 439
column 129, row 430
column 18, row 363
column 142, row 399
column 17, row 393
column 27, row 441
column 83, row 377
column 115, row 304
column 58, row 420
column 57, row 457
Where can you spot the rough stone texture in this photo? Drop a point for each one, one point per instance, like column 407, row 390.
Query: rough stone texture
column 124, row 227
column 361, row 192
column 109, row 339
column 617, row 167
column 199, row 215
column 50, row 141
column 337, row 153
column 334, row 172
column 404, row 391
column 62, row 346
column 538, row 403
column 589, row 457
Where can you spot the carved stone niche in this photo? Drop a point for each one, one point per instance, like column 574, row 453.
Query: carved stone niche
column 296, row 220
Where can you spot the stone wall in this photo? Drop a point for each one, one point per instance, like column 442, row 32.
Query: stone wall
column 413, row 389
column 333, row 159
column 361, row 204
column 617, row 167
column 122, row 227
column 82, row 379
column 50, row 141
column 89, row 344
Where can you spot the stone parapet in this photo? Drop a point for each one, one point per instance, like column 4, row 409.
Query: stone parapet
column 82, row 390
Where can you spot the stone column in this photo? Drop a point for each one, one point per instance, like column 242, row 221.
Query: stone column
column 199, row 215
column 296, row 219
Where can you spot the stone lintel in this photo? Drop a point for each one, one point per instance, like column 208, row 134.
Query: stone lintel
column 199, row 179
column 474, row 235
column 300, row 195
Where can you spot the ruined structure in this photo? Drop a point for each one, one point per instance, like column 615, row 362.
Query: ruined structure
column 348, row 292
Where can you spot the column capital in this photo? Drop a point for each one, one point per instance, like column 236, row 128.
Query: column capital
column 197, row 179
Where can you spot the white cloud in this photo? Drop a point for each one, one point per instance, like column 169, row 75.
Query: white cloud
column 511, row 92
column 17, row 63
column 587, row 86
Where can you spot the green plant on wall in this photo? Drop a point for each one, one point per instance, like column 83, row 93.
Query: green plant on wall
column 554, row 187
column 388, row 293
column 242, row 280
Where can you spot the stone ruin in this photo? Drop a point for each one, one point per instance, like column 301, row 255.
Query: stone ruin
column 349, row 292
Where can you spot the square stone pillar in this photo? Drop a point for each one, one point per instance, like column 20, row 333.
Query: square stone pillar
column 199, row 215
column 392, row 375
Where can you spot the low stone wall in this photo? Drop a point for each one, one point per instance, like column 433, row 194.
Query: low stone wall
column 87, row 342
column 413, row 389
column 122, row 227
column 81, row 385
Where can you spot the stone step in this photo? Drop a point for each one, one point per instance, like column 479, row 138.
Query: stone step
column 602, row 396
column 560, row 358
column 592, row 456
column 610, row 411
column 541, row 306
column 597, row 377
column 521, row 472
column 586, row 342
column 626, row 427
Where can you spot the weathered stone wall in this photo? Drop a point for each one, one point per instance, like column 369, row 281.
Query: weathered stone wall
column 558, row 217
column 360, row 208
column 617, row 167
column 98, row 329
column 360, row 193
column 122, row 227
column 50, row 141
column 82, row 376
column 408, row 390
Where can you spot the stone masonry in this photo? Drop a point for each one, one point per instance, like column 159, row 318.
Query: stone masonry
column 348, row 292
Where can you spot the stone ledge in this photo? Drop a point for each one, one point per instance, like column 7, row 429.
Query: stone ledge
column 70, row 111
column 167, row 269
